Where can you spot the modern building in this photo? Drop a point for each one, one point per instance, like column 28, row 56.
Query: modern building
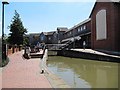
column 105, row 26
column 61, row 31
column 58, row 35
column 33, row 38
column 55, row 38
column 103, row 29
column 100, row 31
column 78, row 34
column 50, row 37
column 43, row 37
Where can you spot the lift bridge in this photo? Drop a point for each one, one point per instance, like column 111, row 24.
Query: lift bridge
column 53, row 47
column 66, row 44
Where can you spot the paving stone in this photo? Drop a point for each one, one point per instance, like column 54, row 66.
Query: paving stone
column 23, row 73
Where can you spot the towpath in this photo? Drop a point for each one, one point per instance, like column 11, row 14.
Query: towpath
column 22, row 73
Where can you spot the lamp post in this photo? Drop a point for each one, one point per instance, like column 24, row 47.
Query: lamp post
column 3, row 43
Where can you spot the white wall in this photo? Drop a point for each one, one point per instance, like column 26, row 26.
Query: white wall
column 101, row 29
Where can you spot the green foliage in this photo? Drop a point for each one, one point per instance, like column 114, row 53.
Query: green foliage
column 5, row 38
column 4, row 62
column 17, row 30
column 26, row 41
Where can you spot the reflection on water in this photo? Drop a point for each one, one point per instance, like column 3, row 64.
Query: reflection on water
column 80, row 73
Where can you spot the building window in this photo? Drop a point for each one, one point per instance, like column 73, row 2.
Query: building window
column 49, row 38
column 81, row 28
column 42, row 38
column 67, row 34
column 78, row 29
column 36, row 37
column 101, row 29
column 84, row 27
column 55, row 35
column 70, row 33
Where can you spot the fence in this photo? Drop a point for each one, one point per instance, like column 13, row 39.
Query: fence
column 54, row 46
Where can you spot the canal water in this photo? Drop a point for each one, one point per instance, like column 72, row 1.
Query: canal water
column 81, row 73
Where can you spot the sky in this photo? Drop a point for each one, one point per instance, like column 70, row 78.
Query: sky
column 40, row 17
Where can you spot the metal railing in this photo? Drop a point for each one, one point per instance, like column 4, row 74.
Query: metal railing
column 54, row 46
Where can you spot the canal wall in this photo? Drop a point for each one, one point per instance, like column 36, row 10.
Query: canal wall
column 52, row 53
column 54, row 80
column 86, row 55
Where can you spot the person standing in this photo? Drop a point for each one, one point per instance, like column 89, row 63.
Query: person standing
column 84, row 44
column 27, row 52
column 38, row 46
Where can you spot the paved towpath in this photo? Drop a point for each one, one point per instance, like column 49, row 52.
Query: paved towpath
column 22, row 73
column 94, row 52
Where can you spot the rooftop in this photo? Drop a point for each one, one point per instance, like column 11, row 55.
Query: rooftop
column 48, row 33
column 79, row 24
column 62, row 28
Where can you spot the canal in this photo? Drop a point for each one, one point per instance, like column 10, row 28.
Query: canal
column 81, row 73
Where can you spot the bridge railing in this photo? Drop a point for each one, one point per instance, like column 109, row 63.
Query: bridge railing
column 54, row 46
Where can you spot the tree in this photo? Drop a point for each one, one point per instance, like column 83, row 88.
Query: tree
column 5, row 38
column 26, row 41
column 17, row 30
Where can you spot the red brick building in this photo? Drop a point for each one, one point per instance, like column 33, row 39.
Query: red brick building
column 78, row 34
column 105, row 26
column 100, row 31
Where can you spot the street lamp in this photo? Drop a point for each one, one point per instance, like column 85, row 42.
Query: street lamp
column 3, row 43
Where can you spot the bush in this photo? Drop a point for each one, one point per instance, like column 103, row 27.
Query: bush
column 4, row 62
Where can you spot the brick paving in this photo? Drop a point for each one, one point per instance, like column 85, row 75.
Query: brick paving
column 22, row 73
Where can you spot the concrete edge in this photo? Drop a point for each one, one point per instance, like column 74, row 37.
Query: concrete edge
column 55, row 80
